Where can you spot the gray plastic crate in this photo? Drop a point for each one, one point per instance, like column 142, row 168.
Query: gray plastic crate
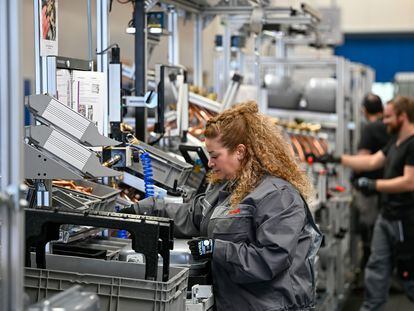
column 72, row 299
column 166, row 169
column 120, row 286
column 105, row 195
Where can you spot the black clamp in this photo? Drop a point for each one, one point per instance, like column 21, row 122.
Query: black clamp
column 150, row 235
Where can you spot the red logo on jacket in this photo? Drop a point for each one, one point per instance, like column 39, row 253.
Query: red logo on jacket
column 234, row 211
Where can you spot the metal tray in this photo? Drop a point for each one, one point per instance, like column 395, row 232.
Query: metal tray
column 104, row 194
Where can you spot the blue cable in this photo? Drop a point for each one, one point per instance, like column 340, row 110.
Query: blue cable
column 148, row 175
column 123, row 234
column 147, row 169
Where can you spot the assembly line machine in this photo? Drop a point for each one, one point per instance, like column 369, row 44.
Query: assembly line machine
column 75, row 236
column 67, row 220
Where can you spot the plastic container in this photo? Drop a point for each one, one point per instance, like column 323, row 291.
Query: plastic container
column 104, row 196
column 167, row 170
column 180, row 256
column 199, row 271
column 112, row 247
column 73, row 299
column 73, row 250
column 120, row 286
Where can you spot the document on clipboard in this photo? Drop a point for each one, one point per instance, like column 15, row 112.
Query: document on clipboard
column 85, row 92
column 89, row 95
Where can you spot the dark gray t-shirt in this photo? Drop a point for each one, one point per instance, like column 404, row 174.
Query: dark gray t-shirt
column 398, row 205
column 374, row 137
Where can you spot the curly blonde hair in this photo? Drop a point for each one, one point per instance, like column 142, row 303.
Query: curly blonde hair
column 267, row 153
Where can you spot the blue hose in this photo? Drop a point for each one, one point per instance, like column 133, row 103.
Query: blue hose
column 147, row 169
column 148, row 175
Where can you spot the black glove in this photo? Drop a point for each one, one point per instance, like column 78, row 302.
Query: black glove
column 365, row 185
column 201, row 248
column 128, row 210
column 146, row 206
column 328, row 158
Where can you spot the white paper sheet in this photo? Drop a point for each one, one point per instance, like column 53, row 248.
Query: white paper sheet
column 89, row 95
column 64, row 87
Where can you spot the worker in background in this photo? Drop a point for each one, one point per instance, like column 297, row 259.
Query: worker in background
column 373, row 138
column 254, row 221
column 393, row 239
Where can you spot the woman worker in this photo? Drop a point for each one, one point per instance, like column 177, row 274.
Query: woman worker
column 258, row 230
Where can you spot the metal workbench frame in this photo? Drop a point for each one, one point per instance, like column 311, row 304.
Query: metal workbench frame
column 340, row 67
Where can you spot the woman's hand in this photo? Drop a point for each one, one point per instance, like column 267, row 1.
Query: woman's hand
column 201, row 248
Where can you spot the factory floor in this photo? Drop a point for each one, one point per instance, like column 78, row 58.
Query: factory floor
column 397, row 300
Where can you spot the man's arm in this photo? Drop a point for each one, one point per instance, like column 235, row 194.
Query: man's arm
column 364, row 162
column 399, row 184
column 362, row 152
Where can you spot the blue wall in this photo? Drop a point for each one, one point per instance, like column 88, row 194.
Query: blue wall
column 386, row 53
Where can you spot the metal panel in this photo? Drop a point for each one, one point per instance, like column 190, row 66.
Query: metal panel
column 189, row 6
column 38, row 59
column 43, row 166
column 340, row 109
column 102, row 9
column 227, row 58
column 11, row 134
column 51, row 76
column 173, row 43
column 114, row 92
column 140, row 67
column 41, row 71
column 257, row 69
column 205, row 102
column 48, row 109
column 69, row 151
column 72, row 63
column 198, row 50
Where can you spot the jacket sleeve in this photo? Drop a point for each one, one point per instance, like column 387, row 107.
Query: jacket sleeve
column 279, row 219
column 187, row 216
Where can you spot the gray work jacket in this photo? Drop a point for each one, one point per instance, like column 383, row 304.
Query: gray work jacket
column 264, row 249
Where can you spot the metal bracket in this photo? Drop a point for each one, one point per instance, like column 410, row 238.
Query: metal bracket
column 62, row 148
column 148, row 101
column 5, row 199
column 51, row 111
